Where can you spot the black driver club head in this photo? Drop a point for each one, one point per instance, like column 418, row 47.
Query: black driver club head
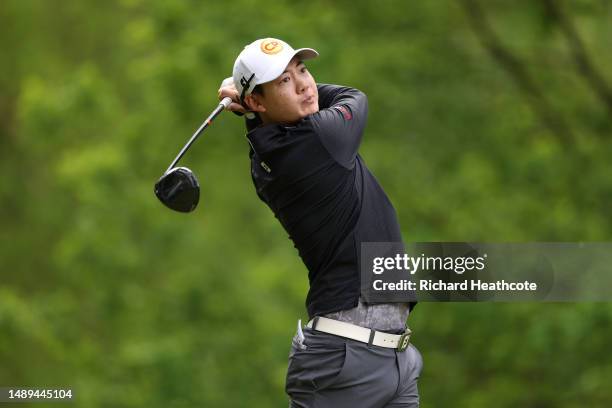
column 178, row 189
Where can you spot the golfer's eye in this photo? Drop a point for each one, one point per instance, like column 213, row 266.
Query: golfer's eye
column 285, row 79
column 304, row 70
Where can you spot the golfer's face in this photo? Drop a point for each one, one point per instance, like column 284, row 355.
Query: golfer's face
column 292, row 96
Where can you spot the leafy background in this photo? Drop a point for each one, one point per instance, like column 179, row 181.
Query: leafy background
column 489, row 121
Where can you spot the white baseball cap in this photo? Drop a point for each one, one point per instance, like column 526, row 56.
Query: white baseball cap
column 263, row 61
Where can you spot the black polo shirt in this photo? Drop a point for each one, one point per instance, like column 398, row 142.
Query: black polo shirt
column 321, row 191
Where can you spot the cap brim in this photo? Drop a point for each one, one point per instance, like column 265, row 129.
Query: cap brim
column 306, row 53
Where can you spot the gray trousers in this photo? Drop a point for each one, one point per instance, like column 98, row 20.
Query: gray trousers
column 331, row 371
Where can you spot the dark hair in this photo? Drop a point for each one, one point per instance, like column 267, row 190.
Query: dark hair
column 258, row 90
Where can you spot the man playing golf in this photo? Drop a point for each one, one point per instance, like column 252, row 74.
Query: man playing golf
column 304, row 139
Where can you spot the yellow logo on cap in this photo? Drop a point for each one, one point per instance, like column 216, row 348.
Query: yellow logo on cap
column 271, row 46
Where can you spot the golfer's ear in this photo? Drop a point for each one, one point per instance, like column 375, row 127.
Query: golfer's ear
column 253, row 103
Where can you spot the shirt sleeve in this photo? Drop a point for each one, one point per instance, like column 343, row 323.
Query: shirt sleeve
column 340, row 121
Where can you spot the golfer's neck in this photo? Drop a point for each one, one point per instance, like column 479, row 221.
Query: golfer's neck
column 265, row 120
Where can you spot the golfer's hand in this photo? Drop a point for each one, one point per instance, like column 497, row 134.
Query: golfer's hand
column 228, row 89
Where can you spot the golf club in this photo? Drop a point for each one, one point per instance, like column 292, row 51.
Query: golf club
column 178, row 187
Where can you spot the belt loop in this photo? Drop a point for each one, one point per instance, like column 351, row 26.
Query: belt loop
column 372, row 333
column 315, row 320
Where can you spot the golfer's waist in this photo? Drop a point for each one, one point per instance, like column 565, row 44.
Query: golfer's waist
column 387, row 317
column 359, row 333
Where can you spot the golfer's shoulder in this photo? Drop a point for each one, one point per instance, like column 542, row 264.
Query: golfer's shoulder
column 330, row 95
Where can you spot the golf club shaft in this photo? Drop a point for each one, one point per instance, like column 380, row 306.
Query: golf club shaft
column 222, row 105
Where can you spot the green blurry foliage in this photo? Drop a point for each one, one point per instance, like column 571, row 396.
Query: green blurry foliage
column 106, row 291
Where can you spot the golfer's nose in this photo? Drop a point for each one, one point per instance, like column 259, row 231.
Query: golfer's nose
column 301, row 84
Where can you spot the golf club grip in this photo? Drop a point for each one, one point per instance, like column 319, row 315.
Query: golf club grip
column 226, row 102
column 222, row 105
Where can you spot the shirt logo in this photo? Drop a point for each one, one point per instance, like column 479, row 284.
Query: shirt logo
column 265, row 167
column 271, row 46
column 345, row 112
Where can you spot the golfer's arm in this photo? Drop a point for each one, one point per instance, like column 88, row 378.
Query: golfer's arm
column 330, row 95
column 342, row 116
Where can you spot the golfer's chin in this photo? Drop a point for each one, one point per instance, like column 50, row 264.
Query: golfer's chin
column 309, row 109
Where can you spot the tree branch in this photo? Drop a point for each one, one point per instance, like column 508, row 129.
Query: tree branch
column 585, row 67
column 517, row 72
